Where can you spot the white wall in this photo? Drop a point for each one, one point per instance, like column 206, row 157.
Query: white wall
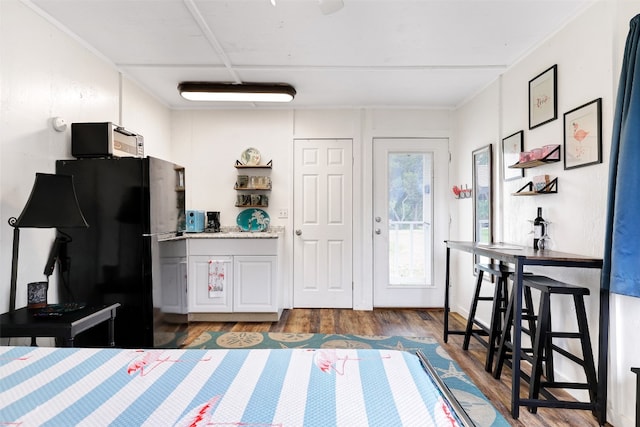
column 588, row 52
column 208, row 143
column 45, row 73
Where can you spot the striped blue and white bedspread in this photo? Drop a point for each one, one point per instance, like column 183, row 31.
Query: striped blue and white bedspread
column 288, row 387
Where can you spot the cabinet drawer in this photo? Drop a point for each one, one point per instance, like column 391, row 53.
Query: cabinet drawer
column 248, row 246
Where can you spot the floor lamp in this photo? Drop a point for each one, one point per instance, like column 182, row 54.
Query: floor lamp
column 52, row 204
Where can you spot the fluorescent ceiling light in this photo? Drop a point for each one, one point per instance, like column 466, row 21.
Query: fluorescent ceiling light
column 240, row 92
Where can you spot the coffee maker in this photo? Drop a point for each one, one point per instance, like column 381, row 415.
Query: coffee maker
column 213, row 222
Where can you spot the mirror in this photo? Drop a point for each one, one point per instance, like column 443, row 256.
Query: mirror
column 482, row 197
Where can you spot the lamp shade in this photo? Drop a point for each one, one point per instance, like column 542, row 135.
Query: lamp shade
column 52, row 204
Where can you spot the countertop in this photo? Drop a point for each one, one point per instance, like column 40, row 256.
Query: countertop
column 226, row 233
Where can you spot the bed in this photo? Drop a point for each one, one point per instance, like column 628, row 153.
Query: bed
column 283, row 387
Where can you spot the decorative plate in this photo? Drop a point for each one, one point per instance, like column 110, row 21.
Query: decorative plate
column 250, row 157
column 253, row 220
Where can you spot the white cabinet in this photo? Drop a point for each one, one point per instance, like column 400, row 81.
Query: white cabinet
column 255, row 283
column 173, row 277
column 227, row 279
column 203, row 298
column 174, row 285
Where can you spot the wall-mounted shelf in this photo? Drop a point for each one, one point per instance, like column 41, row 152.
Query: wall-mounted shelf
column 252, row 188
column 252, row 206
column 528, row 189
column 539, row 162
column 258, row 183
column 240, row 165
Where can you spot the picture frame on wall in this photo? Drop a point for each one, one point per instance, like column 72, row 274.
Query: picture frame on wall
column 583, row 135
column 512, row 146
column 482, row 199
column 543, row 100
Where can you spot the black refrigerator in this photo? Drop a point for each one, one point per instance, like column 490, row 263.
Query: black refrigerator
column 128, row 203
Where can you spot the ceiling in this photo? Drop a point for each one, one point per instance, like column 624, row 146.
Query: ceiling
column 368, row 53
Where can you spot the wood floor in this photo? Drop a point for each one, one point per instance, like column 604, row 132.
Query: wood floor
column 410, row 322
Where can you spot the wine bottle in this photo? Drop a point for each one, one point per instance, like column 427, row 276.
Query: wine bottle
column 538, row 229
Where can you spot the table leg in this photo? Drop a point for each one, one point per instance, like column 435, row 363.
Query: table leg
column 112, row 319
column 446, row 297
column 68, row 342
column 603, row 351
column 517, row 341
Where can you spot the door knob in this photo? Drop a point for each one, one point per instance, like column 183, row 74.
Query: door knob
column 378, row 231
column 298, row 232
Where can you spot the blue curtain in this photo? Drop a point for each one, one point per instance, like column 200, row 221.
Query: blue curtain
column 621, row 270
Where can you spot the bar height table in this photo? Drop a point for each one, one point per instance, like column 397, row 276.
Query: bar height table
column 520, row 256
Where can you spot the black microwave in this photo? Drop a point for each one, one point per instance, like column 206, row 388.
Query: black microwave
column 104, row 140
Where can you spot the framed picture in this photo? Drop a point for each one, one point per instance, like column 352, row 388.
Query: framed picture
column 543, row 101
column 583, row 135
column 482, row 198
column 511, row 148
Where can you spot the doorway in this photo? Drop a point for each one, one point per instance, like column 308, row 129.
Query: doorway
column 322, row 219
column 410, row 221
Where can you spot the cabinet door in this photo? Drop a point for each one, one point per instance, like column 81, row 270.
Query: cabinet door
column 174, row 285
column 255, row 281
column 210, row 284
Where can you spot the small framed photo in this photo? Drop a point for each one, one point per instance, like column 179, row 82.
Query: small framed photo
column 583, row 135
column 511, row 148
column 543, row 101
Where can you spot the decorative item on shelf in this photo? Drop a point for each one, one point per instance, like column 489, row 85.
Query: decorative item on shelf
column 242, row 182
column 259, row 183
column 541, row 184
column 252, row 200
column 525, row 156
column 551, row 152
column 253, row 220
column 536, row 154
column 250, row 157
column 461, row 193
column 538, row 157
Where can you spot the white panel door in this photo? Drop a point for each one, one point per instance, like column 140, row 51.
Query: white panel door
column 411, row 221
column 323, row 238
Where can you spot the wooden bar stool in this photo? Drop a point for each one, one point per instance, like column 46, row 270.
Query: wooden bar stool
column 499, row 300
column 543, row 342
column 505, row 346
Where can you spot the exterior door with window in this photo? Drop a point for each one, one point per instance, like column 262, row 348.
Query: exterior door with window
column 411, row 221
column 322, row 247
